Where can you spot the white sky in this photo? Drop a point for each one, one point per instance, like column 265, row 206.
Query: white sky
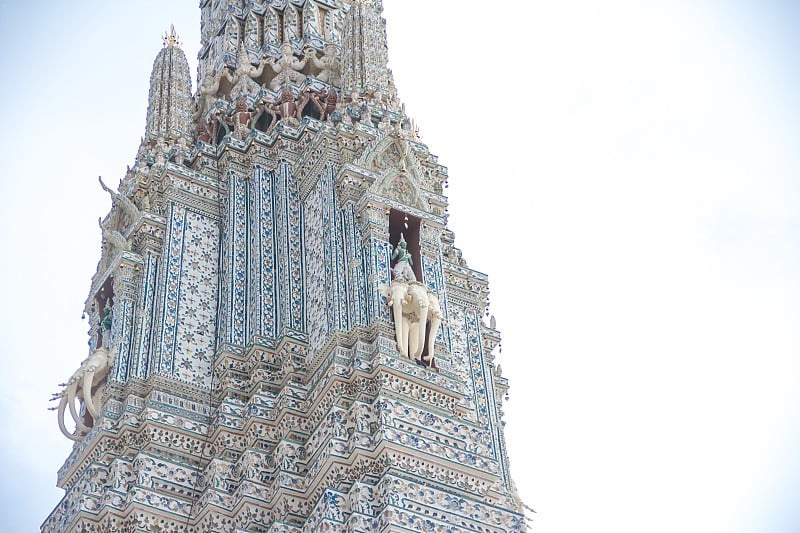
column 626, row 172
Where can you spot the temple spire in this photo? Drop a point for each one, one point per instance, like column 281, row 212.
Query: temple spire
column 170, row 101
column 364, row 50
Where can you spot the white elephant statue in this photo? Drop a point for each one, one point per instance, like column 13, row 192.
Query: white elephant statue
column 85, row 385
column 413, row 307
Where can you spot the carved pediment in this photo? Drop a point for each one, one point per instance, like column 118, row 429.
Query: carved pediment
column 399, row 171
column 399, row 187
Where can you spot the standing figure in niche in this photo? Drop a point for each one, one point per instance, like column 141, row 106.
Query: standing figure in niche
column 243, row 118
column 287, row 107
column 402, row 269
column 325, row 102
column 287, row 68
column 108, row 318
column 242, row 83
column 331, row 102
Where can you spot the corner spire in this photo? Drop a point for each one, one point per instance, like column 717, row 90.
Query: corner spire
column 169, row 111
column 365, row 54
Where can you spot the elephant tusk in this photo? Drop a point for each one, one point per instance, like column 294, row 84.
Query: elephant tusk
column 61, row 408
column 87, row 395
column 97, row 397
column 70, row 395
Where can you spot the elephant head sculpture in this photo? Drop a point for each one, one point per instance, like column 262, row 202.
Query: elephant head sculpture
column 413, row 307
column 85, row 385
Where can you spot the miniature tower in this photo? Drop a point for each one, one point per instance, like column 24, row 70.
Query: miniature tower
column 284, row 337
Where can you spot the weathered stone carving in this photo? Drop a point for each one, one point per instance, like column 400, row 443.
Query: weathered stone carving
column 112, row 239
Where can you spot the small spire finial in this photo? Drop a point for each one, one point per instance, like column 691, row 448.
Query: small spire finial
column 171, row 38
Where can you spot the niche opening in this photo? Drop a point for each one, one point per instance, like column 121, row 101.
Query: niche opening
column 408, row 226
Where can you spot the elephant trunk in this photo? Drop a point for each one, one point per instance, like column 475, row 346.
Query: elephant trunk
column 434, row 331
column 400, row 327
column 416, row 338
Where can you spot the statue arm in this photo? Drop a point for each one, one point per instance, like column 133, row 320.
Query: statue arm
column 257, row 71
column 257, row 113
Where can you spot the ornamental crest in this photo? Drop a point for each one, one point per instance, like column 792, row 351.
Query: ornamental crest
column 401, row 189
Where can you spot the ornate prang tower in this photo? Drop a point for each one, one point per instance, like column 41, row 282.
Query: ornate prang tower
column 283, row 336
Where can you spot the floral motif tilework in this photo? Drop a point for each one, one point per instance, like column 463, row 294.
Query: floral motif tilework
column 381, row 252
column 477, row 366
column 263, row 277
column 194, row 350
column 289, row 248
column 487, row 411
column 356, row 268
column 121, row 338
column 338, row 296
column 336, row 264
column 235, row 260
column 170, row 295
column 316, row 308
column 401, row 189
column 144, row 317
column 460, row 354
column 188, row 323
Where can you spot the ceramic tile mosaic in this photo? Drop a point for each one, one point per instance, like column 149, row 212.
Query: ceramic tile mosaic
column 250, row 375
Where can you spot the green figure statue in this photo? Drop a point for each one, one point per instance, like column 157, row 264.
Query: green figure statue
column 402, row 269
column 108, row 318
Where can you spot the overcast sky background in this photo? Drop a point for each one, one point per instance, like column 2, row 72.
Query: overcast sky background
column 626, row 172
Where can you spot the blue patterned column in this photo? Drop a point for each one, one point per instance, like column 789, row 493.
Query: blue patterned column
column 122, row 339
column 233, row 292
column 263, row 278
